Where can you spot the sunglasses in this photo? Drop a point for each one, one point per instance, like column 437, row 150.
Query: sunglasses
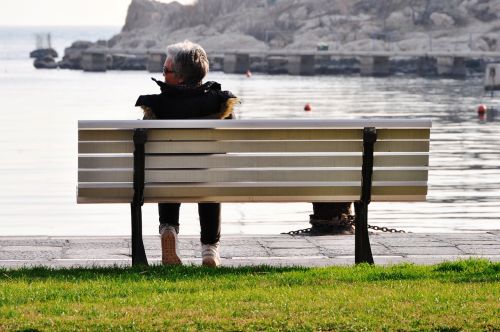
column 167, row 71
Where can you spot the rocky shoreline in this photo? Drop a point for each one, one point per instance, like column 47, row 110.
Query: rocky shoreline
column 325, row 65
column 302, row 25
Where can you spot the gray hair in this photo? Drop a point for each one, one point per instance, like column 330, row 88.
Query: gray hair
column 189, row 61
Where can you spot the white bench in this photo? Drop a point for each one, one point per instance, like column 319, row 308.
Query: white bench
column 253, row 161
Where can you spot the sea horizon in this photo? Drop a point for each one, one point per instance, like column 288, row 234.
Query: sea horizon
column 19, row 41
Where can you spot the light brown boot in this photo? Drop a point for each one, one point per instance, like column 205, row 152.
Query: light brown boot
column 169, row 246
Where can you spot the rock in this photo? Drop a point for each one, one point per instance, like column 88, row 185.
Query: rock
column 149, row 44
column 262, row 25
column 419, row 41
column 81, row 45
column 72, row 58
column 407, row 11
column 133, row 44
column 491, row 43
column 300, row 13
column 229, row 42
column 442, row 20
column 114, row 40
column 397, row 19
column 102, row 43
column 485, row 11
column 143, row 13
column 285, row 19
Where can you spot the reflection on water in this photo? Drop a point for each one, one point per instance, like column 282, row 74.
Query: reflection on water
column 38, row 126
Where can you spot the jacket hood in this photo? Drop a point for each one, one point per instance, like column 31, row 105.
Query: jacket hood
column 187, row 90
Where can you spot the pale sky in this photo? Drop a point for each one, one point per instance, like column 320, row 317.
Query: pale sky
column 66, row 12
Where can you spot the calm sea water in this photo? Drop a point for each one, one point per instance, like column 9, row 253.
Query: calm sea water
column 38, row 143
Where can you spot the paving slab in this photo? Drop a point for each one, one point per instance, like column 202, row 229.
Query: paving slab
column 299, row 252
column 35, row 241
column 418, row 243
column 426, row 250
column 480, row 250
column 243, row 251
column 95, row 253
column 93, row 243
column 251, row 250
column 290, row 244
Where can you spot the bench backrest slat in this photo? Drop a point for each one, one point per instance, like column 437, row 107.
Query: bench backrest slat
column 270, row 192
column 252, row 160
column 250, row 175
column 282, row 146
column 245, row 134
column 257, row 124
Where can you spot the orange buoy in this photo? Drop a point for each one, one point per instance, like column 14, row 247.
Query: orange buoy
column 307, row 107
column 481, row 110
column 249, row 73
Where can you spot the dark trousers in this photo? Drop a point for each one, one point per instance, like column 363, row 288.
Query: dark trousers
column 330, row 210
column 209, row 219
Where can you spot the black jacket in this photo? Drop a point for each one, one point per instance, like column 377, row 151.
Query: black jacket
column 184, row 102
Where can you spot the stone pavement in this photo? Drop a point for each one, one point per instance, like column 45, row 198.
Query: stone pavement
column 237, row 250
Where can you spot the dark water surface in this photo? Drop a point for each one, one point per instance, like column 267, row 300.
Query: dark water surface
column 38, row 135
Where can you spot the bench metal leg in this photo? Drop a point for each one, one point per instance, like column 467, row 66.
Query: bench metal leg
column 138, row 252
column 363, row 251
column 362, row 248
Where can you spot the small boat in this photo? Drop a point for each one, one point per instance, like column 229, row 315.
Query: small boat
column 44, row 54
column 492, row 77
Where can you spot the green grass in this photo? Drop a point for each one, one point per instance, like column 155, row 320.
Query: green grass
column 457, row 296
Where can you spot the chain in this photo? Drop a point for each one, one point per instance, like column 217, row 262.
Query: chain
column 386, row 229
column 298, row 232
column 350, row 221
column 376, row 228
